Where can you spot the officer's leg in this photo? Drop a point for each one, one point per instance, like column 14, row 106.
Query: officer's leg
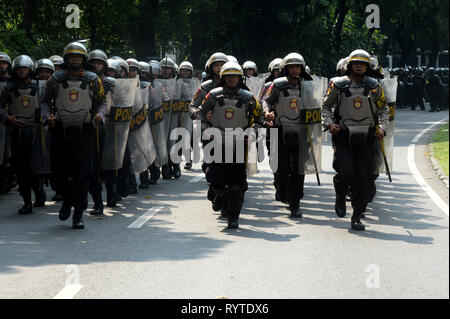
column 363, row 159
column 217, row 173
column 20, row 160
column 343, row 165
column 235, row 199
column 110, row 178
column 39, row 191
column 80, row 178
column 95, row 184
column 295, row 184
column 123, row 183
column 189, row 165
column 133, row 184
column 283, row 170
column 143, row 178
column 155, row 173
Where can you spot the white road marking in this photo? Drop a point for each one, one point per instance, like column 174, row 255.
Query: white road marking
column 197, row 179
column 419, row 178
column 145, row 217
column 68, row 292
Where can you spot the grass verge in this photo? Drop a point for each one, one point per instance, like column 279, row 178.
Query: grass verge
column 440, row 147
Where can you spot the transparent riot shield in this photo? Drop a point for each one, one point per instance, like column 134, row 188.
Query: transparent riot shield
column 117, row 124
column 310, row 142
column 157, row 126
column 390, row 90
column 170, row 104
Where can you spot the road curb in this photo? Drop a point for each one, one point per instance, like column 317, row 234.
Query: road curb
column 436, row 166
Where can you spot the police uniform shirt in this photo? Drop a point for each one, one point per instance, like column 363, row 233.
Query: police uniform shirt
column 96, row 92
column 331, row 100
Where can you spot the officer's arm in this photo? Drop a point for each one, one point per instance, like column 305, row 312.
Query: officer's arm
column 51, row 89
column 196, row 102
column 328, row 102
column 99, row 99
column 207, row 105
column 5, row 99
column 270, row 99
column 257, row 114
column 382, row 108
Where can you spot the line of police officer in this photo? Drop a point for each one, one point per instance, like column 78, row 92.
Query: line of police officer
column 74, row 107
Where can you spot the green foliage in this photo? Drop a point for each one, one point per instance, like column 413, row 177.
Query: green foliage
column 323, row 31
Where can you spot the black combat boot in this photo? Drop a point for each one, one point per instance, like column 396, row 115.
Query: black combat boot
column 356, row 222
column 98, row 205
column 340, row 206
column 176, row 172
column 26, row 209
column 233, row 223
column 295, row 211
column 219, row 199
column 155, row 173
column 65, row 211
column 77, row 220
column 166, row 171
column 143, row 177
column 41, row 197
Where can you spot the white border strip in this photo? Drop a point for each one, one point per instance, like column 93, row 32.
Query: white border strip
column 68, row 292
column 419, row 178
column 145, row 217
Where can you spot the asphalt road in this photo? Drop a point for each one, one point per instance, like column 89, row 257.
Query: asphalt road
column 185, row 251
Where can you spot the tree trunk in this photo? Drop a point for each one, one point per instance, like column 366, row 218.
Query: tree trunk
column 342, row 10
column 28, row 18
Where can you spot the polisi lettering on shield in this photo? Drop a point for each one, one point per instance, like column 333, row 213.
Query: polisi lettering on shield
column 138, row 119
column 120, row 114
column 310, row 116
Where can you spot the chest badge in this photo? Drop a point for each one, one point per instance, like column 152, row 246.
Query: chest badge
column 26, row 102
column 357, row 103
column 293, row 104
column 73, row 95
column 229, row 114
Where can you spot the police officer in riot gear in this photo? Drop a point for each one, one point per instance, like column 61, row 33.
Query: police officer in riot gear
column 58, row 62
column 145, row 71
column 5, row 167
column 283, row 101
column 79, row 102
column 155, row 69
column 230, row 106
column 434, row 90
column 212, row 68
column 22, row 96
column 114, row 71
column 44, row 69
column 169, row 71
column 250, row 68
column 186, row 71
column 360, row 106
column 275, row 73
column 123, row 65
column 133, row 71
column 98, row 63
